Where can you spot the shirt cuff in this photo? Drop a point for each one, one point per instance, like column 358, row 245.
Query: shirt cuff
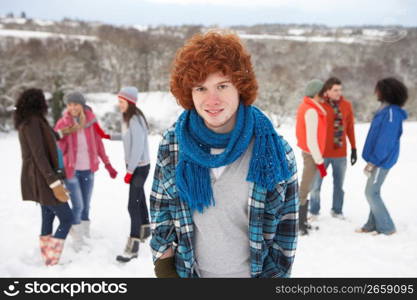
column 55, row 184
column 319, row 161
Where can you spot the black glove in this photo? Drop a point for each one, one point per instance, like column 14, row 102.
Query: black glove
column 165, row 268
column 353, row 157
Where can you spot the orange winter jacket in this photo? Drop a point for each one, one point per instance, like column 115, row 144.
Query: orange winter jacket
column 348, row 129
column 307, row 104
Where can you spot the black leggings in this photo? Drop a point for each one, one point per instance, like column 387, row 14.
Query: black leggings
column 138, row 210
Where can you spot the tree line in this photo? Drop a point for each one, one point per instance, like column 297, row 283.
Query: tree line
column 119, row 56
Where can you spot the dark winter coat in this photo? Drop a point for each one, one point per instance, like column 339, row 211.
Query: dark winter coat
column 39, row 161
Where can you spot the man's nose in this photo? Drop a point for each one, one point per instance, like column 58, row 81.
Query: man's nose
column 213, row 98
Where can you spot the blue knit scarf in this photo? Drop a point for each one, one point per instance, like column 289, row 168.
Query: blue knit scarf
column 268, row 164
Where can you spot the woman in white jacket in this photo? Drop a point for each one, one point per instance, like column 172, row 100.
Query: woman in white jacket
column 136, row 149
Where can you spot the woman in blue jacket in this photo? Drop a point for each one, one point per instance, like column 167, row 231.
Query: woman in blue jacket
column 381, row 150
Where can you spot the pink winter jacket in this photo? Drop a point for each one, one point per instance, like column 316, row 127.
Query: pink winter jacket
column 68, row 144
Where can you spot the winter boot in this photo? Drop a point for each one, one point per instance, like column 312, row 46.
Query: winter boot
column 85, row 229
column 131, row 250
column 43, row 245
column 302, row 219
column 145, row 232
column 336, row 215
column 54, row 251
column 78, row 241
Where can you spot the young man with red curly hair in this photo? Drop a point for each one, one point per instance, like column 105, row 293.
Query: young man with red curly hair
column 224, row 199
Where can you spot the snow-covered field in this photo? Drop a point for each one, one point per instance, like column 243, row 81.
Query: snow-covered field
column 333, row 251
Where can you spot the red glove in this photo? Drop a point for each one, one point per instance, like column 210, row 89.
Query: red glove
column 100, row 131
column 128, row 177
column 112, row 172
column 322, row 170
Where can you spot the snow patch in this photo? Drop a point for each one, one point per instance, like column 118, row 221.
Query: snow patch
column 43, row 22
column 373, row 32
column 141, row 27
column 160, row 108
column 296, row 31
column 310, row 39
column 13, row 20
column 27, row 34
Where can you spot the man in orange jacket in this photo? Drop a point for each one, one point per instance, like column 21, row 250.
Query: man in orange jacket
column 311, row 139
column 340, row 124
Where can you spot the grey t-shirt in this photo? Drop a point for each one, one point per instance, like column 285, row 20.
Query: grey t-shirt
column 222, row 231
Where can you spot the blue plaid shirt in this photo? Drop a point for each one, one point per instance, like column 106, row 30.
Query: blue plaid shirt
column 273, row 223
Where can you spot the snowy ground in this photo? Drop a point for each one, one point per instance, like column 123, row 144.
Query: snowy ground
column 333, row 251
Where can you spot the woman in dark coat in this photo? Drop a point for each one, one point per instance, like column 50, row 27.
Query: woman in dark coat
column 42, row 172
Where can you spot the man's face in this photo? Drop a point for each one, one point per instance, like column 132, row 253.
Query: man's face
column 334, row 93
column 216, row 101
column 74, row 109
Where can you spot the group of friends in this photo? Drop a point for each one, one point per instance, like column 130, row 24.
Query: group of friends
column 325, row 121
column 225, row 200
column 59, row 163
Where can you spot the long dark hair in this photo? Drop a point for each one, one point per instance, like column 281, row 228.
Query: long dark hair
column 132, row 110
column 31, row 102
column 392, row 91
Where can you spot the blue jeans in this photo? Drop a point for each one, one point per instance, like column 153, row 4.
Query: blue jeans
column 80, row 187
column 379, row 218
column 65, row 217
column 339, row 171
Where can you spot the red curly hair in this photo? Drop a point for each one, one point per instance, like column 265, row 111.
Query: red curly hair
column 209, row 53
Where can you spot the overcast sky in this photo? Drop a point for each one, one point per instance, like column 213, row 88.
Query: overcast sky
column 218, row 12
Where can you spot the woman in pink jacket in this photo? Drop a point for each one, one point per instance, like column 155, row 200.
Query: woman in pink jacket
column 81, row 150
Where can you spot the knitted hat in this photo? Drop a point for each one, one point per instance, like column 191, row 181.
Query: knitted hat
column 129, row 93
column 75, row 97
column 313, row 87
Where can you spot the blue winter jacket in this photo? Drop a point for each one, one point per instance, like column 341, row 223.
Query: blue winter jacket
column 382, row 145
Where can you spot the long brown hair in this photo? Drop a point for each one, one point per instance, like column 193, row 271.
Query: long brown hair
column 132, row 110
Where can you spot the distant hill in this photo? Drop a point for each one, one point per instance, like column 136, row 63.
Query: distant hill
column 94, row 58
